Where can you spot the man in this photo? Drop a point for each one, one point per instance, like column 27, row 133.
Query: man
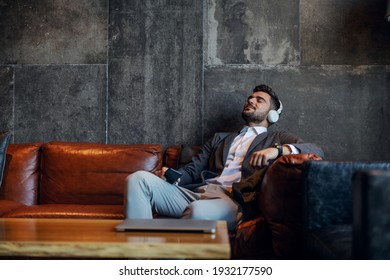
column 210, row 185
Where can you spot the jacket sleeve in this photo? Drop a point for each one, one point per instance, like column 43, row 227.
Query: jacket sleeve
column 302, row 146
column 192, row 172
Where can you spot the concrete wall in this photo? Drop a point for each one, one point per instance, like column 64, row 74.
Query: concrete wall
column 176, row 71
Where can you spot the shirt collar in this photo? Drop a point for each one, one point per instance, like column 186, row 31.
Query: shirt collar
column 257, row 129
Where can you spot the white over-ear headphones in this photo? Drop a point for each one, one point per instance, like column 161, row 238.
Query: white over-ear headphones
column 273, row 115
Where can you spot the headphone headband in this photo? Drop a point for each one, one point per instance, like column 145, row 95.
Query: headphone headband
column 280, row 107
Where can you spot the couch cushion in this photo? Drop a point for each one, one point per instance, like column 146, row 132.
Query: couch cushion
column 8, row 206
column 4, row 140
column 21, row 173
column 91, row 173
column 75, row 211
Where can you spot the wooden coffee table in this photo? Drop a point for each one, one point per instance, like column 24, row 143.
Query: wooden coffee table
column 81, row 238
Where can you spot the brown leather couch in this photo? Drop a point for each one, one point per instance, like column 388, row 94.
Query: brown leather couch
column 86, row 180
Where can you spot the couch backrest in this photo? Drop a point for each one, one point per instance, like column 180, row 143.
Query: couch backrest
column 89, row 173
column 21, row 173
column 177, row 156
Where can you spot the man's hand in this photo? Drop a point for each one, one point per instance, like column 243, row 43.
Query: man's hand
column 160, row 173
column 262, row 158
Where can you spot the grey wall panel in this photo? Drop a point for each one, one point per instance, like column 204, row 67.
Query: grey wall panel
column 64, row 103
column 344, row 32
column 155, row 69
column 6, row 98
column 46, row 31
column 253, row 32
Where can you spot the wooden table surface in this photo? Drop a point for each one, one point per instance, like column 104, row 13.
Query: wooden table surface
column 81, row 238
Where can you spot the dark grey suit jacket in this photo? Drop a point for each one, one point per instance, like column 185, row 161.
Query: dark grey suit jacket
column 211, row 161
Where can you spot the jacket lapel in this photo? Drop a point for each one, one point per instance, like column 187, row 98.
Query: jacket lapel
column 259, row 138
column 228, row 142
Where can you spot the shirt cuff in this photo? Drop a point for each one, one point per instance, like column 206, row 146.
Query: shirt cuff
column 294, row 150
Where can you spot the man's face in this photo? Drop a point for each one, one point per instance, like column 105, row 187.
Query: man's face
column 256, row 109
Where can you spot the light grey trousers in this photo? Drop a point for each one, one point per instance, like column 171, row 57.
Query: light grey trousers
column 146, row 193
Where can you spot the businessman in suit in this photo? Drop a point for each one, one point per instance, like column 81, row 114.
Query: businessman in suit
column 212, row 183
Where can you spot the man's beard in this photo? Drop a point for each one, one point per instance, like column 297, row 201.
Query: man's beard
column 251, row 117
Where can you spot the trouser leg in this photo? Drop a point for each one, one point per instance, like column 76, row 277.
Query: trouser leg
column 146, row 193
column 215, row 204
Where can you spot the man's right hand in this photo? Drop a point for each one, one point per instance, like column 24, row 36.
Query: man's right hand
column 160, row 173
column 262, row 158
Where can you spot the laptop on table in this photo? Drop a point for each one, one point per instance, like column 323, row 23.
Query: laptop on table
column 168, row 225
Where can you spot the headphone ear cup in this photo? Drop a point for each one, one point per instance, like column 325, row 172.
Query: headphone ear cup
column 273, row 116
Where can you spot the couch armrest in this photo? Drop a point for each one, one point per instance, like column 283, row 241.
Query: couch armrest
column 280, row 202
column 21, row 173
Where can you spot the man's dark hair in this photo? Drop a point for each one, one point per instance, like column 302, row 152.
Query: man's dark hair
column 274, row 98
